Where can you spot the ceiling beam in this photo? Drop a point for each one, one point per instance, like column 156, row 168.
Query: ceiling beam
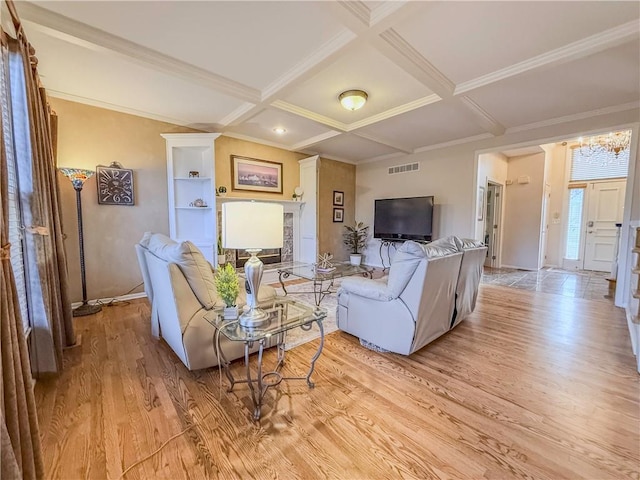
column 67, row 29
column 386, row 143
column 582, row 48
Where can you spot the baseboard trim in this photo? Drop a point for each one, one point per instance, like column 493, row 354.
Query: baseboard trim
column 121, row 298
column 519, row 268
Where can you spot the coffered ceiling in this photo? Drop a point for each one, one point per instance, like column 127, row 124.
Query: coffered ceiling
column 437, row 73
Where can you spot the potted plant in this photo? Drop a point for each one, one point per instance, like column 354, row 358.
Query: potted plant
column 228, row 288
column 355, row 238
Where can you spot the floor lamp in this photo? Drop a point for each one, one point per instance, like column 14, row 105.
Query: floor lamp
column 78, row 176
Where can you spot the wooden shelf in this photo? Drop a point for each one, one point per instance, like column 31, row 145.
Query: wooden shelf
column 636, row 250
column 192, row 179
column 636, row 294
column 193, row 208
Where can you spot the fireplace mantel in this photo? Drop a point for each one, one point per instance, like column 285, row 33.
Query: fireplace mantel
column 289, row 205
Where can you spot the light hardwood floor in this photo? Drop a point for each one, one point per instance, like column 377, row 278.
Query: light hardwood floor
column 532, row 385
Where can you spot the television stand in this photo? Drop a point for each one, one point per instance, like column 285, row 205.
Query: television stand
column 391, row 242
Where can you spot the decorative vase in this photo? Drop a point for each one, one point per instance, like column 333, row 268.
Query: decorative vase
column 230, row 313
column 355, row 258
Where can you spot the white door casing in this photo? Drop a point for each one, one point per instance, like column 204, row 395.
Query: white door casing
column 605, row 203
column 309, row 213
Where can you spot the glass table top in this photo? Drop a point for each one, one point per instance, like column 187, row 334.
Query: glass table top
column 311, row 272
column 285, row 314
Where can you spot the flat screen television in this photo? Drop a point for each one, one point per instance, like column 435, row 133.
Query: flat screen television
column 403, row 218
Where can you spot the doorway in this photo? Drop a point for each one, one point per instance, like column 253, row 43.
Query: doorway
column 592, row 236
column 493, row 224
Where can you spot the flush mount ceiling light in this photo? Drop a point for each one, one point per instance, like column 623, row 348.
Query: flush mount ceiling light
column 279, row 130
column 353, row 99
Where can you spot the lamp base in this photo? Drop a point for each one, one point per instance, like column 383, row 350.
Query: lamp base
column 86, row 309
column 254, row 318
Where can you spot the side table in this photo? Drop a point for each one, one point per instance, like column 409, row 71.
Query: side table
column 285, row 314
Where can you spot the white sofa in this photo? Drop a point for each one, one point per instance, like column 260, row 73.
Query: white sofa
column 429, row 290
column 180, row 285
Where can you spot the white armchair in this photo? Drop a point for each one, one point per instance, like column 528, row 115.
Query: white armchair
column 422, row 298
column 181, row 288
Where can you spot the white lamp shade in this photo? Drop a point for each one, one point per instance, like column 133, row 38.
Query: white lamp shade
column 252, row 225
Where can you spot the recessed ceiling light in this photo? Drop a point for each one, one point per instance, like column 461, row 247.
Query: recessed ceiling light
column 279, row 130
column 353, row 99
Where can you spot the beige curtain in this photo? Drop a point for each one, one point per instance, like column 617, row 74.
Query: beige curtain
column 20, row 455
column 45, row 207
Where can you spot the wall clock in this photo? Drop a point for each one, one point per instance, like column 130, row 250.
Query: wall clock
column 115, row 185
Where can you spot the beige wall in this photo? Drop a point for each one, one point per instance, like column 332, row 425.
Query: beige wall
column 450, row 173
column 341, row 177
column 90, row 136
column 227, row 146
column 523, row 212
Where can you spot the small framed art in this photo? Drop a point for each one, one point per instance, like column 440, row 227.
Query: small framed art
column 338, row 198
column 338, row 215
column 115, row 185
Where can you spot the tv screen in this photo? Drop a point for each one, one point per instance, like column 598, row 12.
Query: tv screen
column 403, row 218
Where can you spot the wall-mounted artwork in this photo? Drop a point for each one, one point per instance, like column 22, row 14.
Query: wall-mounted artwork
column 338, row 198
column 115, row 185
column 255, row 175
column 338, row 215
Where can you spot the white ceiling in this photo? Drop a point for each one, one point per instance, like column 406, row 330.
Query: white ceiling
column 436, row 72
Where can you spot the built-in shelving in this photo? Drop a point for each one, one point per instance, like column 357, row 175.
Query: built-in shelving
column 191, row 179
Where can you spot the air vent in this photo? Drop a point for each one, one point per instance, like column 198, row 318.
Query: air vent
column 409, row 167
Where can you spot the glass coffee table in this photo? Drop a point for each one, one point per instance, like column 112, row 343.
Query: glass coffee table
column 285, row 314
column 322, row 279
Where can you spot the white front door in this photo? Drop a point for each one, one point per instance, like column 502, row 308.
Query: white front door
column 604, row 210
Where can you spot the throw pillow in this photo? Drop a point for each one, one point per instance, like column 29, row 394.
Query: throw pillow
column 192, row 264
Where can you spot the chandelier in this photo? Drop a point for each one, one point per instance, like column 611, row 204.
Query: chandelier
column 610, row 144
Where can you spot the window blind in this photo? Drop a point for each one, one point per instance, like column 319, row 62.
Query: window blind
column 598, row 165
column 15, row 239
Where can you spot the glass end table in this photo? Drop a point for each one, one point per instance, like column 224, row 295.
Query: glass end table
column 284, row 314
column 322, row 279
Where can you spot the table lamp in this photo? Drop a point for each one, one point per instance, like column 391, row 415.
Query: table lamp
column 252, row 226
column 78, row 176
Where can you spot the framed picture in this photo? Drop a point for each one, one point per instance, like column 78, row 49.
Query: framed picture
column 338, row 215
column 480, row 213
column 338, row 198
column 256, row 175
column 115, row 185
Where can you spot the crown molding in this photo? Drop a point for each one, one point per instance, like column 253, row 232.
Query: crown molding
column 314, row 140
column 381, row 158
column 487, row 121
column 260, row 141
column 309, row 64
column 405, row 56
column 400, row 109
column 573, row 51
column 239, row 113
column 55, row 24
column 386, row 143
column 116, row 108
column 358, row 10
column 316, row 117
column 384, row 10
column 577, row 116
column 453, row 143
